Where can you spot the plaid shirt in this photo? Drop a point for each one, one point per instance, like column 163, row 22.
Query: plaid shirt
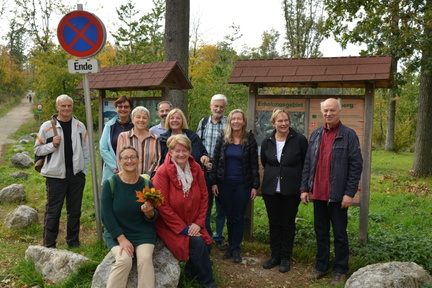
column 210, row 133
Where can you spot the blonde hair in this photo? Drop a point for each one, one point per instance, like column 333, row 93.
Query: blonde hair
column 276, row 113
column 179, row 139
column 228, row 130
column 171, row 113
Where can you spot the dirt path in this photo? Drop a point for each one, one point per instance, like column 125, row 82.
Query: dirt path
column 13, row 120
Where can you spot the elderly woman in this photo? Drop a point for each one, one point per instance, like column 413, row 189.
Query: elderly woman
column 282, row 156
column 235, row 177
column 129, row 230
column 108, row 141
column 181, row 224
column 176, row 124
column 146, row 143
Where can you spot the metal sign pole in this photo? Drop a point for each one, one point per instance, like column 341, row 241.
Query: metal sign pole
column 95, row 182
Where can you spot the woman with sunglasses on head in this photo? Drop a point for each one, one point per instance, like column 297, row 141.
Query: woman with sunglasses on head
column 108, row 141
column 128, row 221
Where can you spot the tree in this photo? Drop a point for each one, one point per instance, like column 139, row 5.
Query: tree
column 17, row 42
column 303, row 20
column 177, row 44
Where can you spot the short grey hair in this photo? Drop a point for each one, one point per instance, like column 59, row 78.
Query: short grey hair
column 339, row 101
column 219, row 97
column 142, row 109
column 63, row 97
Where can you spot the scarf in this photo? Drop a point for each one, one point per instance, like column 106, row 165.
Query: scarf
column 184, row 176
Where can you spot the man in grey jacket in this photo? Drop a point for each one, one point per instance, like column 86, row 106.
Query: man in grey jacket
column 331, row 174
column 66, row 159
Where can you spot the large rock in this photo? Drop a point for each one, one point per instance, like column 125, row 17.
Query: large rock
column 55, row 265
column 21, row 217
column 19, row 175
column 22, row 160
column 167, row 269
column 390, row 275
column 12, row 193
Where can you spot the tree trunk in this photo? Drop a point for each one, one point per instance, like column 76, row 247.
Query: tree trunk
column 177, row 44
column 391, row 113
column 423, row 145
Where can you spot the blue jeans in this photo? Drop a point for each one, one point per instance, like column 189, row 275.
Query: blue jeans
column 220, row 214
column 234, row 197
column 324, row 214
column 199, row 265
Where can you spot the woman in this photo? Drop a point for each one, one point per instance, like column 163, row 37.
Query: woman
column 282, row 156
column 108, row 141
column 181, row 224
column 146, row 143
column 176, row 124
column 236, row 149
column 129, row 230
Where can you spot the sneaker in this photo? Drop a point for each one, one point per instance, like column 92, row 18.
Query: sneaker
column 316, row 274
column 236, row 256
column 271, row 263
column 338, row 279
column 284, row 266
column 227, row 255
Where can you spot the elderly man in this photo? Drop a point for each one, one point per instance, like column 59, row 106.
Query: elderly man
column 331, row 174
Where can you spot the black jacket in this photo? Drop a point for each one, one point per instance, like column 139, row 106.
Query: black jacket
column 250, row 162
column 290, row 167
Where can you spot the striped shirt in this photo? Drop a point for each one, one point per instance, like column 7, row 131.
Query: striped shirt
column 149, row 151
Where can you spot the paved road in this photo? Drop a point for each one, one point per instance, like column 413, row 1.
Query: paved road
column 13, row 120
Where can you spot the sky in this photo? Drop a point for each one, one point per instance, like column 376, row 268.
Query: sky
column 214, row 19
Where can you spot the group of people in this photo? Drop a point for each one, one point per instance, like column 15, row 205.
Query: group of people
column 216, row 164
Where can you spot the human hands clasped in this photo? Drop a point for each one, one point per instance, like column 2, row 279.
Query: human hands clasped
column 194, row 230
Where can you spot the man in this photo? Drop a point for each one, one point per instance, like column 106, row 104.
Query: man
column 163, row 108
column 67, row 157
column 331, row 174
column 208, row 129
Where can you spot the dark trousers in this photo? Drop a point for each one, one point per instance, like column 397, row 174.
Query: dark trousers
column 281, row 211
column 220, row 214
column 234, row 198
column 199, row 265
column 324, row 214
column 71, row 188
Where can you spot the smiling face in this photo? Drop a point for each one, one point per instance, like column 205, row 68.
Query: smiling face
column 140, row 120
column 123, row 110
column 237, row 122
column 281, row 123
column 128, row 160
column 64, row 108
column 180, row 154
column 176, row 122
column 217, row 108
column 331, row 112
column 163, row 111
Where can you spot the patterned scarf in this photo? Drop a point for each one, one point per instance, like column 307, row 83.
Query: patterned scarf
column 184, row 176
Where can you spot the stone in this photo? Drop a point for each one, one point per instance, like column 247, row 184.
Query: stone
column 22, row 160
column 55, row 265
column 19, row 175
column 390, row 275
column 12, row 193
column 167, row 269
column 21, row 217
column 26, row 139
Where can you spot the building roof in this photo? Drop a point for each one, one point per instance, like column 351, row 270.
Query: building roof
column 148, row 76
column 350, row 72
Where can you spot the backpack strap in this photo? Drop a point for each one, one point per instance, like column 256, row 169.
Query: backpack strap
column 111, row 182
column 203, row 125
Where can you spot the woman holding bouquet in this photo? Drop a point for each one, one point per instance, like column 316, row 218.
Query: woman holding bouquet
column 181, row 225
column 128, row 220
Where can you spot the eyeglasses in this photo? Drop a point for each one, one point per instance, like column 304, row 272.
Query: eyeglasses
column 127, row 158
column 123, row 106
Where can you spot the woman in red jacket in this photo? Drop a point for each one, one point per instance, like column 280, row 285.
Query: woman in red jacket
column 181, row 224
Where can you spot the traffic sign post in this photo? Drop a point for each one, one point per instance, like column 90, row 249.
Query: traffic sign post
column 83, row 35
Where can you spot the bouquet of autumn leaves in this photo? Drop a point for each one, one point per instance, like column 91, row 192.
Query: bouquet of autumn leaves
column 150, row 195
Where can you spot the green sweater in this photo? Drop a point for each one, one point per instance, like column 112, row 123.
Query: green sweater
column 121, row 214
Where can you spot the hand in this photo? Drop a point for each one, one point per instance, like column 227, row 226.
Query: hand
column 56, row 141
column 147, row 208
column 215, row 190
column 304, row 197
column 194, row 230
column 347, row 201
column 205, row 160
column 125, row 245
column 253, row 194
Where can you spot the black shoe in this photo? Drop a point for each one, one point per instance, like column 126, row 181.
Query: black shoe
column 316, row 274
column 74, row 245
column 271, row 263
column 228, row 254
column 236, row 256
column 221, row 245
column 284, row 266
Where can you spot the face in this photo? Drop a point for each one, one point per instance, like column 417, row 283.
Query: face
column 331, row 112
column 281, row 123
column 180, row 154
column 128, row 160
column 237, row 121
column 163, row 110
column 175, row 121
column 217, row 108
column 64, row 109
column 140, row 120
column 123, row 110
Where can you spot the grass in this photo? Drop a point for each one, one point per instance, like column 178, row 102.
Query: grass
column 399, row 223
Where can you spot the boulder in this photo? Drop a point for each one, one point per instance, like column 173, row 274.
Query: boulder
column 167, row 269
column 55, row 265
column 390, row 275
column 19, row 174
column 12, row 193
column 22, row 160
column 21, row 217
column 26, row 139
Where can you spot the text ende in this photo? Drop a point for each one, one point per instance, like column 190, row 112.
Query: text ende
column 82, row 67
